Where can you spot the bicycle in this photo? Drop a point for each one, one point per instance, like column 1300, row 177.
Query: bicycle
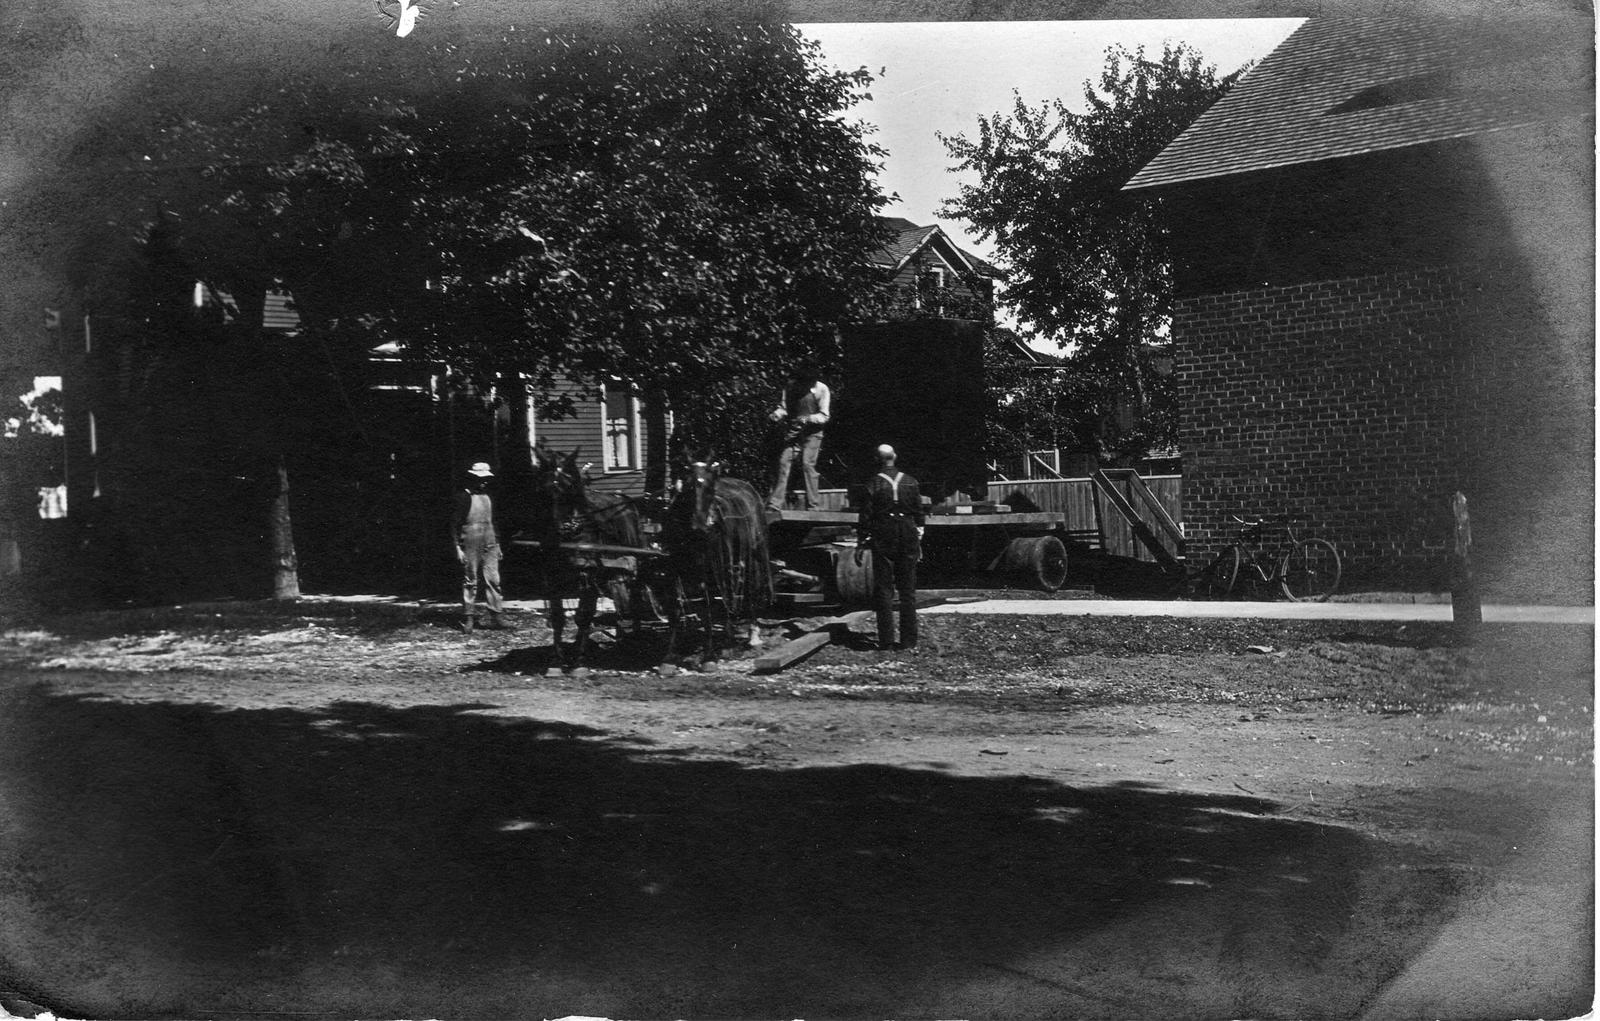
column 1307, row 570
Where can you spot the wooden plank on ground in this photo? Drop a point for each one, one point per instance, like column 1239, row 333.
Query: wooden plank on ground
column 820, row 633
column 791, row 652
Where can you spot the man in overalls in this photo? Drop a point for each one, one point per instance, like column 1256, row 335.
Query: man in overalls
column 477, row 547
column 804, row 412
column 890, row 522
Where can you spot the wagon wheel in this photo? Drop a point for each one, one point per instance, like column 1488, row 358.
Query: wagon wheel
column 1041, row 561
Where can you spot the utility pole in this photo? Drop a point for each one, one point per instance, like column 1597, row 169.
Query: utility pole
column 1465, row 606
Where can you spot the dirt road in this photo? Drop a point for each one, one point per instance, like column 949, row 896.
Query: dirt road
column 334, row 810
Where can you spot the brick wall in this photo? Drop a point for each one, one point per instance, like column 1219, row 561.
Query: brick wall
column 1357, row 406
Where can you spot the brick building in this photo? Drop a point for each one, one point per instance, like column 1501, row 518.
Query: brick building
column 1387, row 238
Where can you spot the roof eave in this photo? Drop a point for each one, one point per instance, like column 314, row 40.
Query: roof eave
column 1168, row 183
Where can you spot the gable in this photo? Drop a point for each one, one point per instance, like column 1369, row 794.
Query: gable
column 911, row 240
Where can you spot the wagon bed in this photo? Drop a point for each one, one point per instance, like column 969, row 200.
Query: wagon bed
column 1043, row 520
column 817, row 553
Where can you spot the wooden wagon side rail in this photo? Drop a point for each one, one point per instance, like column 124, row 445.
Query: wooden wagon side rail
column 1044, row 519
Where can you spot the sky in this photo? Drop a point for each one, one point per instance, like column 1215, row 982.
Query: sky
column 942, row 76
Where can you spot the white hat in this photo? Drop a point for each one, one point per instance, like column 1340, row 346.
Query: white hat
column 481, row 469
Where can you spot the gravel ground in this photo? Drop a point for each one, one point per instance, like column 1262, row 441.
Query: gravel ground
column 349, row 808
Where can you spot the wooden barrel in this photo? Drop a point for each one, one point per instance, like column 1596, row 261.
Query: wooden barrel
column 1040, row 562
column 852, row 576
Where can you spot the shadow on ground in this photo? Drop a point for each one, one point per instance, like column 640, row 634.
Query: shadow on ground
column 633, row 655
column 444, row 861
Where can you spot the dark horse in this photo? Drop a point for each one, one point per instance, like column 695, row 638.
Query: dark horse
column 716, row 538
column 567, row 514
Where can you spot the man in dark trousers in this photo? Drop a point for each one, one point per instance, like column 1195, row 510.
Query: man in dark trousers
column 891, row 523
column 804, row 412
column 477, row 547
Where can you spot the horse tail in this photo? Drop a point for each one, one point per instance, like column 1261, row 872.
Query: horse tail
column 745, row 519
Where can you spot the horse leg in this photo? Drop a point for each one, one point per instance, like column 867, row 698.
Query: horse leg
column 558, row 622
column 708, row 619
column 674, row 607
column 588, row 599
column 750, row 634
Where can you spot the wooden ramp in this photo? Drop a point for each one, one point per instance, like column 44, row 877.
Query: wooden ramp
column 1121, row 487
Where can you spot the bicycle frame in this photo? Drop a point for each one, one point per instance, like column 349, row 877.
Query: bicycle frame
column 1266, row 568
column 1303, row 569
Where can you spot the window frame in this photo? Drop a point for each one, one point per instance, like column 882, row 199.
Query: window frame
column 635, row 430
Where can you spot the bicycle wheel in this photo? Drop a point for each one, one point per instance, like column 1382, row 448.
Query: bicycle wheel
column 1310, row 572
column 1216, row 579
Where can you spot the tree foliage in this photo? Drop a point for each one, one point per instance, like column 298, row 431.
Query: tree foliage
column 682, row 203
column 30, row 450
column 1091, row 265
column 1032, row 401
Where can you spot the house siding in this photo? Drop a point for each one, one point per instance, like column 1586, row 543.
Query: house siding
column 929, row 259
column 585, row 433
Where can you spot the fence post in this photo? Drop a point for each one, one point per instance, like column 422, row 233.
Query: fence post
column 1466, row 609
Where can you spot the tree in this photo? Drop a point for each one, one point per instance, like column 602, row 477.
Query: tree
column 1029, row 410
column 30, row 451
column 682, row 205
column 1092, row 267
column 680, row 202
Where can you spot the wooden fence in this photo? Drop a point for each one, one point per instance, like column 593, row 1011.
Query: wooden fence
column 1090, row 517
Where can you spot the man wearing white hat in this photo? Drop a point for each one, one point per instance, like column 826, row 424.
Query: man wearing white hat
column 477, row 547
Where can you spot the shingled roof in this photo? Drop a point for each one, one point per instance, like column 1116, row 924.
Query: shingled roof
column 1342, row 87
column 909, row 238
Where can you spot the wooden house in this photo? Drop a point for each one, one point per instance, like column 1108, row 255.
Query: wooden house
column 1385, row 234
column 927, row 272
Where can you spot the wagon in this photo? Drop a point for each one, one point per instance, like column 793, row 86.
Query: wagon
column 819, row 561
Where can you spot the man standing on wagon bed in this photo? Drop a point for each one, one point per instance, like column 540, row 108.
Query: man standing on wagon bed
column 804, row 412
column 891, row 523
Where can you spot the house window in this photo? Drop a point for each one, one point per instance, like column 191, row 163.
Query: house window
column 930, row 290
column 620, row 425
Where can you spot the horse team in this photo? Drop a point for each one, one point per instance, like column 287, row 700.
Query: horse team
column 713, row 560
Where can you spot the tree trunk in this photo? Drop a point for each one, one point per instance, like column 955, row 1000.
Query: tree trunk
column 1466, row 606
column 285, row 564
column 656, row 468
column 515, row 465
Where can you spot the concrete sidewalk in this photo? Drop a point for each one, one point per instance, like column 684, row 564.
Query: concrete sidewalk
column 1499, row 614
column 1097, row 607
